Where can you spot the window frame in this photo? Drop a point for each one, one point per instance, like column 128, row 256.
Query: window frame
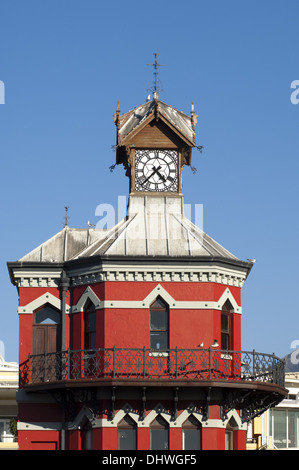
column 89, row 331
column 191, row 424
column 226, row 332
column 159, row 424
column 165, row 329
column 127, row 423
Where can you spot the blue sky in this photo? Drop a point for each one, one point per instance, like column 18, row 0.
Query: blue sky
column 66, row 63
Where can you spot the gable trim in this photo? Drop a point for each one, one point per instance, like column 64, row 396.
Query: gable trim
column 46, row 298
column 87, row 295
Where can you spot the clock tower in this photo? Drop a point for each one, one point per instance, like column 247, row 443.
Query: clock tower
column 154, row 142
column 130, row 336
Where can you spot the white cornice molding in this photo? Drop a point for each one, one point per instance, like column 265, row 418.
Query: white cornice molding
column 37, row 278
column 220, row 275
column 132, row 273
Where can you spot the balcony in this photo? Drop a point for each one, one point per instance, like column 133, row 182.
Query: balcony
column 146, row 367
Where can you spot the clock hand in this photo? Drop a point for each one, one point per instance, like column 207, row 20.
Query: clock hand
column 144, row 181
column 155, row 170
column 160, row 176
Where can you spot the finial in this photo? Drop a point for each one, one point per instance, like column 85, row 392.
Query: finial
column 66, row 216
column 193, row 116
column 154, row 88
column 116, row 115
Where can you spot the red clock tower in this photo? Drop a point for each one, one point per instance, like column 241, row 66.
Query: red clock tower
column 130, row 337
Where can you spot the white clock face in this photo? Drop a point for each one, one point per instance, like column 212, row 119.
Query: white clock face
column 156, row 170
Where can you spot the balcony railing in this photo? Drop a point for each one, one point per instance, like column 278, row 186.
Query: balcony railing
column 121, row 364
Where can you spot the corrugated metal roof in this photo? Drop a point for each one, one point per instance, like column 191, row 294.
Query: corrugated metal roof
column 154, row 226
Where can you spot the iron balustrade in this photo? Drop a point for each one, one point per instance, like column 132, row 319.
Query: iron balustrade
column 147, row 364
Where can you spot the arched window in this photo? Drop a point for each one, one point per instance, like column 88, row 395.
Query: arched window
column 226, row 326
column 127, row 434
column 159, row 434
column 229, row 434
column 46, row 330
column 159, row 325
column 89, row 326
column 191, row 434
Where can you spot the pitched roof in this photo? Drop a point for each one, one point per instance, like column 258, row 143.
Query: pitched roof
column 152, row 227
column 133, row 119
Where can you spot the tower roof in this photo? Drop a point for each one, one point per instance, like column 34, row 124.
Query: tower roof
column 131, row 121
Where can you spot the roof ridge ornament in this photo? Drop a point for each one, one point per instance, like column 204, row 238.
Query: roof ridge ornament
column 155, row 88
column 193, row 116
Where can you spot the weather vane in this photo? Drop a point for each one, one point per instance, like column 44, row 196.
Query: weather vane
column 66, row 216
column 156, row 79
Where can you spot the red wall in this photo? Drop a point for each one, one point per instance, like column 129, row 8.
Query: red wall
column 130, row 327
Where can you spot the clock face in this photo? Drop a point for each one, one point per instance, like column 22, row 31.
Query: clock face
column 156, row 170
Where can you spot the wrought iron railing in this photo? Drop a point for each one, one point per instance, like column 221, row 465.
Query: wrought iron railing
column 147, row 364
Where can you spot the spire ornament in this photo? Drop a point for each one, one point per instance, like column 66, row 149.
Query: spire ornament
column 155, row 87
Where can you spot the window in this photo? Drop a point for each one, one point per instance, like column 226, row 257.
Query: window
column 229, row 434
column 191, row 434
column 127, row 434
column 159, row 434
column 226, row 326
column 90, row 326
column 159, row 319
column 5, row 432
column 285, row 428
column 228, row 439
column 46, row 330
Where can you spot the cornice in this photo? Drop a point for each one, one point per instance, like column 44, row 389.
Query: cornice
column 97, row 269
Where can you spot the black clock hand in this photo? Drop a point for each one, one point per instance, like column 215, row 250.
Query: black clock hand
column 156, row 171
column 148, row 177
column 160, row 176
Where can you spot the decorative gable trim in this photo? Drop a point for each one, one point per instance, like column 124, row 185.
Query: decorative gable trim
column 87, row 295
column 227, row 295
column 158, row 291
column 46, row 298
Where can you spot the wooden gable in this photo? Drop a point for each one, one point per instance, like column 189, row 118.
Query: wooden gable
column 155, row 134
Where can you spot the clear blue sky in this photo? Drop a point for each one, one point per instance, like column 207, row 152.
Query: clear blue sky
column 66, row 63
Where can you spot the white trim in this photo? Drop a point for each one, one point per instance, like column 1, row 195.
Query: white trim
column 132, row 273
column 39, row 426
column 126, row 409
column 159, row 409
column 153, row 273
column 158, row 290
column 236, row 416
column 87, row 295
column 227, row 295
column 45, row 278
column 46, row 298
